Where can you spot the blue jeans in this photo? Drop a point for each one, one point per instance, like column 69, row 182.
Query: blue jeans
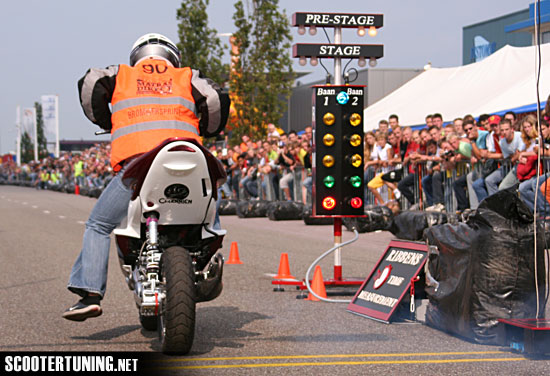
column 427, row 187
column 527, row 191
column 480, row 189
column 493, row 180
column 89, row 273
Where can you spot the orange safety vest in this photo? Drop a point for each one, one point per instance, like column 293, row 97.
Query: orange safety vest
column 151, row 102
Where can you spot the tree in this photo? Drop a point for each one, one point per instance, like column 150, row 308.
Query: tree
column 41, row 138
column 262, row 75
column 27, row 148
column 199, row 45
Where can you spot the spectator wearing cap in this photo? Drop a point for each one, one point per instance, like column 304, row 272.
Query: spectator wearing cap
column 492, row 122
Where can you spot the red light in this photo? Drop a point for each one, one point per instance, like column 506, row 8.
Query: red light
column 356, row 203
column 329, row 203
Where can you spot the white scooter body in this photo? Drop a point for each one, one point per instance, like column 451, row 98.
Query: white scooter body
column 178, row 187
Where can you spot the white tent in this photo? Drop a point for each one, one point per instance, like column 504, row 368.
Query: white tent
column 504, row 81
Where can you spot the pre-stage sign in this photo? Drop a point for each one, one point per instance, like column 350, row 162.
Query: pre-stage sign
column 389, row 281
column 351, row 20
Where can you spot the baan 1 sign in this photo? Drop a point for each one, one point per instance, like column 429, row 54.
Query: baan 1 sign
column 338, row 50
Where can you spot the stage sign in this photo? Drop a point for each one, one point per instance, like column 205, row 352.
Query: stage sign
column 390, row 280
column 338, row 50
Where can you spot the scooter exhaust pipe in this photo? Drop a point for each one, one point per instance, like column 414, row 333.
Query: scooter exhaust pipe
column 211, row 287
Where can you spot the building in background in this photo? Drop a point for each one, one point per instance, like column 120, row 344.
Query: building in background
column 515, row 29
column 379, row 83
column 79, row 145
column 527, row 25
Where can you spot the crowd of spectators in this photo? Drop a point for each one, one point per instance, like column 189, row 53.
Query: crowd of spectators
column 258, row 168
column 90, row 169
column 465, row 160
column 419, row 168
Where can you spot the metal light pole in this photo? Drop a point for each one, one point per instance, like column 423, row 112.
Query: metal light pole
column 338, row 220
column 18, row 140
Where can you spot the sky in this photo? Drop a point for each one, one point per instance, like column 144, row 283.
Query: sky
column 48, row 45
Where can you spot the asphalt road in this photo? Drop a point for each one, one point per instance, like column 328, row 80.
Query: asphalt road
column 249, row 329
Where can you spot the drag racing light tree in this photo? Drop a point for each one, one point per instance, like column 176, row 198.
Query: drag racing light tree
column 338, row 169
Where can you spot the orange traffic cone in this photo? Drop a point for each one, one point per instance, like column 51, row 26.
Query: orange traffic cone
column 284, row 269
column 234, row 254
column 318, row 286
column 76, row 189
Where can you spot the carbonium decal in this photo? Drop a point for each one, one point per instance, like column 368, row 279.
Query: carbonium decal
column 176, row 194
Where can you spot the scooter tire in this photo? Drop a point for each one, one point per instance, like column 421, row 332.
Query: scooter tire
column 176, row 324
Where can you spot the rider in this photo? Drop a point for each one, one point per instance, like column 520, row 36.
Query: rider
column 152, row 99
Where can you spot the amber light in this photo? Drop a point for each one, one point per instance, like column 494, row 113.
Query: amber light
column 356, row 160
column 329, row 119
column 328, row 161
column 356, row 202
column 355, row 140
column 329, row 203
column 355, row 119
column 328, row 139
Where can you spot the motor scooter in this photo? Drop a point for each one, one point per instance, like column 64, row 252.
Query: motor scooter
column 167, row 245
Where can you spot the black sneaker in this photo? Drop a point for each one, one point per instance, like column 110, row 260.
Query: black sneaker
column 85, row 308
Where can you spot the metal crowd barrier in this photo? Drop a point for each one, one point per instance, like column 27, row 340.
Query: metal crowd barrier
column 269, row 191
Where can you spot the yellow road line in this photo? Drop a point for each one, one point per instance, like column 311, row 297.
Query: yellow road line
column 306, row 364
column 385, row 355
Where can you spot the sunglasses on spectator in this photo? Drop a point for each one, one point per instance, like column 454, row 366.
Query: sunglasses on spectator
column 468, row 129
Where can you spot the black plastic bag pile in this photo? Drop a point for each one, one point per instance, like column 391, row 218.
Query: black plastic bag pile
column 252, row 208
column 285, row 210
column 376, row 218
column 410, row 225
column 312, row 221
column 484, row 269
column 228, row 207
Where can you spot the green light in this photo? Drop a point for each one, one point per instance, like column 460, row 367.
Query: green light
column 328, row 181
column 355, row 181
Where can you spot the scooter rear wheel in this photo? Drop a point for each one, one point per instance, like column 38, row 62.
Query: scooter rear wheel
column 177, row 314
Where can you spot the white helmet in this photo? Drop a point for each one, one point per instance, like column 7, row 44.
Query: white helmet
column 155, row 45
